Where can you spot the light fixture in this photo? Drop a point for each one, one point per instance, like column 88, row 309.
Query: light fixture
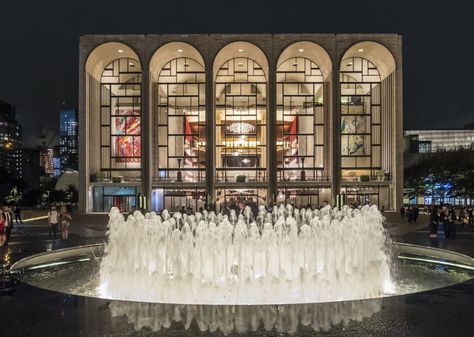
column 349, row 64
column 180, row 50
column 241, row 127
column 240, row 50
column 241, row 64
column 360, row 50
column 120, row 50
column 301, row 50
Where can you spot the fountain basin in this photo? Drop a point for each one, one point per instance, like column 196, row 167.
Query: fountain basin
column 76, row 271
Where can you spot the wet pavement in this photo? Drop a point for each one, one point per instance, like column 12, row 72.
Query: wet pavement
column 29, row 311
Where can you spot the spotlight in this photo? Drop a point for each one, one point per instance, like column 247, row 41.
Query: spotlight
column 240, row 50
column 360, row 50
column 120, row 50
column 180, row 50
column 301, row 50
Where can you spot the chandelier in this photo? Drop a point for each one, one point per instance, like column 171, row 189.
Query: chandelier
column 241, row 127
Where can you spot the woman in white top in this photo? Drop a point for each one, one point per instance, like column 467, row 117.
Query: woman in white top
column 65, row 220
column 53, row 221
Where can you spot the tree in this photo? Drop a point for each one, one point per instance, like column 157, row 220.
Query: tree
column 443, row 174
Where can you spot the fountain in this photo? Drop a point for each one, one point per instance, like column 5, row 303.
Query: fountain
column 282, row 271
column 287, row 256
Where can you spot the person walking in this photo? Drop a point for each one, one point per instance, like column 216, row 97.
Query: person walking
column 434, row 222
column 65, row 219
column 53, row 221
column 8, row 219
column 18, row 214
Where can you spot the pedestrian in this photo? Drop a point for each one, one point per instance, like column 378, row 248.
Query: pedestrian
column 402, row 213
column 434, row 217
column 2, row 228
column 416, row 212
column 18, row 214
column 452, row 223
column 409, row 214
column 443, row 218
column 53, row 221
column 8, row 219
column 65, row 220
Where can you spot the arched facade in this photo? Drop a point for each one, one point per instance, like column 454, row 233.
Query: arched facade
column 178, row 91
column 114, row 113
column 301, row 122
column 168, row 121
column 367, row 119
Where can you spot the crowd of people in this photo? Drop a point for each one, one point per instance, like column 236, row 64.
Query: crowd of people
column 410, row 213
column 444, row 215
column 8, row 217
column 59, row 220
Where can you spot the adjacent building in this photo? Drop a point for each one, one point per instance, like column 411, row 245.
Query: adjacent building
column 68, row 139
column 10, row 140
column 31, row 167
column 196, row 119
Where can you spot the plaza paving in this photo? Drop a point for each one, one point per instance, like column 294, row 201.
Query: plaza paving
column 29, row 311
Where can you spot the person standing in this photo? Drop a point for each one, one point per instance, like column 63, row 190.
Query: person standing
column 402, row 213
column 65, row 219
column 452, row 223
column 18, row 214
column 2, row 228
column 8, row 219
column 53, row 221
column 416, row 212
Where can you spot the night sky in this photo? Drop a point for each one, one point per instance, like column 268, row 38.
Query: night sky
column 39, row 45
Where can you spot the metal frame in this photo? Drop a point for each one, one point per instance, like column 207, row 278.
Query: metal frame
column 241, row 101
column 120, row 82
column 180, row 94
column 361, row 101
column 297, row 96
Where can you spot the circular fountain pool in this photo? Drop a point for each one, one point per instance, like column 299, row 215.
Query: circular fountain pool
column 76, row 271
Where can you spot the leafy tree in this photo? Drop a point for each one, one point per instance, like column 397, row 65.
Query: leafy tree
column 444, row 173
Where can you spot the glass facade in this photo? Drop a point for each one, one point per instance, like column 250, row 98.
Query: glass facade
column 300, row 120
column 440, row 140
column 121, row 117
column 360, row 120
column 180, row 121
column 274, row 122
column 241, row 121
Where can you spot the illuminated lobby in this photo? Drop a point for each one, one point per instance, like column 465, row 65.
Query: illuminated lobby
column 194, row 120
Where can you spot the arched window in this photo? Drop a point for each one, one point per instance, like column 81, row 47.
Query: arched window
column 241, row 121
column 360, row 119
column 180, row 118
column 120, row 117
column 300, row 120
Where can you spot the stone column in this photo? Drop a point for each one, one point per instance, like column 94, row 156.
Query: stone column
column 398, row 132
column 271, row 133
column 336, row 133
column 210, row 134
column 146, row 139
column 83, row 138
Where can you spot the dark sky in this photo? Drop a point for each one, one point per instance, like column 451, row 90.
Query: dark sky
column 39, row 45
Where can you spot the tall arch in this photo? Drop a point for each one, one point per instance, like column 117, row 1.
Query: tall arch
column 303, row 68
column 113, row 116
column 178, row 81
column 241, row 75
column 367, row 83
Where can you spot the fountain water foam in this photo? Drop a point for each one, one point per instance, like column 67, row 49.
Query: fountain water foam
column 286, row 256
